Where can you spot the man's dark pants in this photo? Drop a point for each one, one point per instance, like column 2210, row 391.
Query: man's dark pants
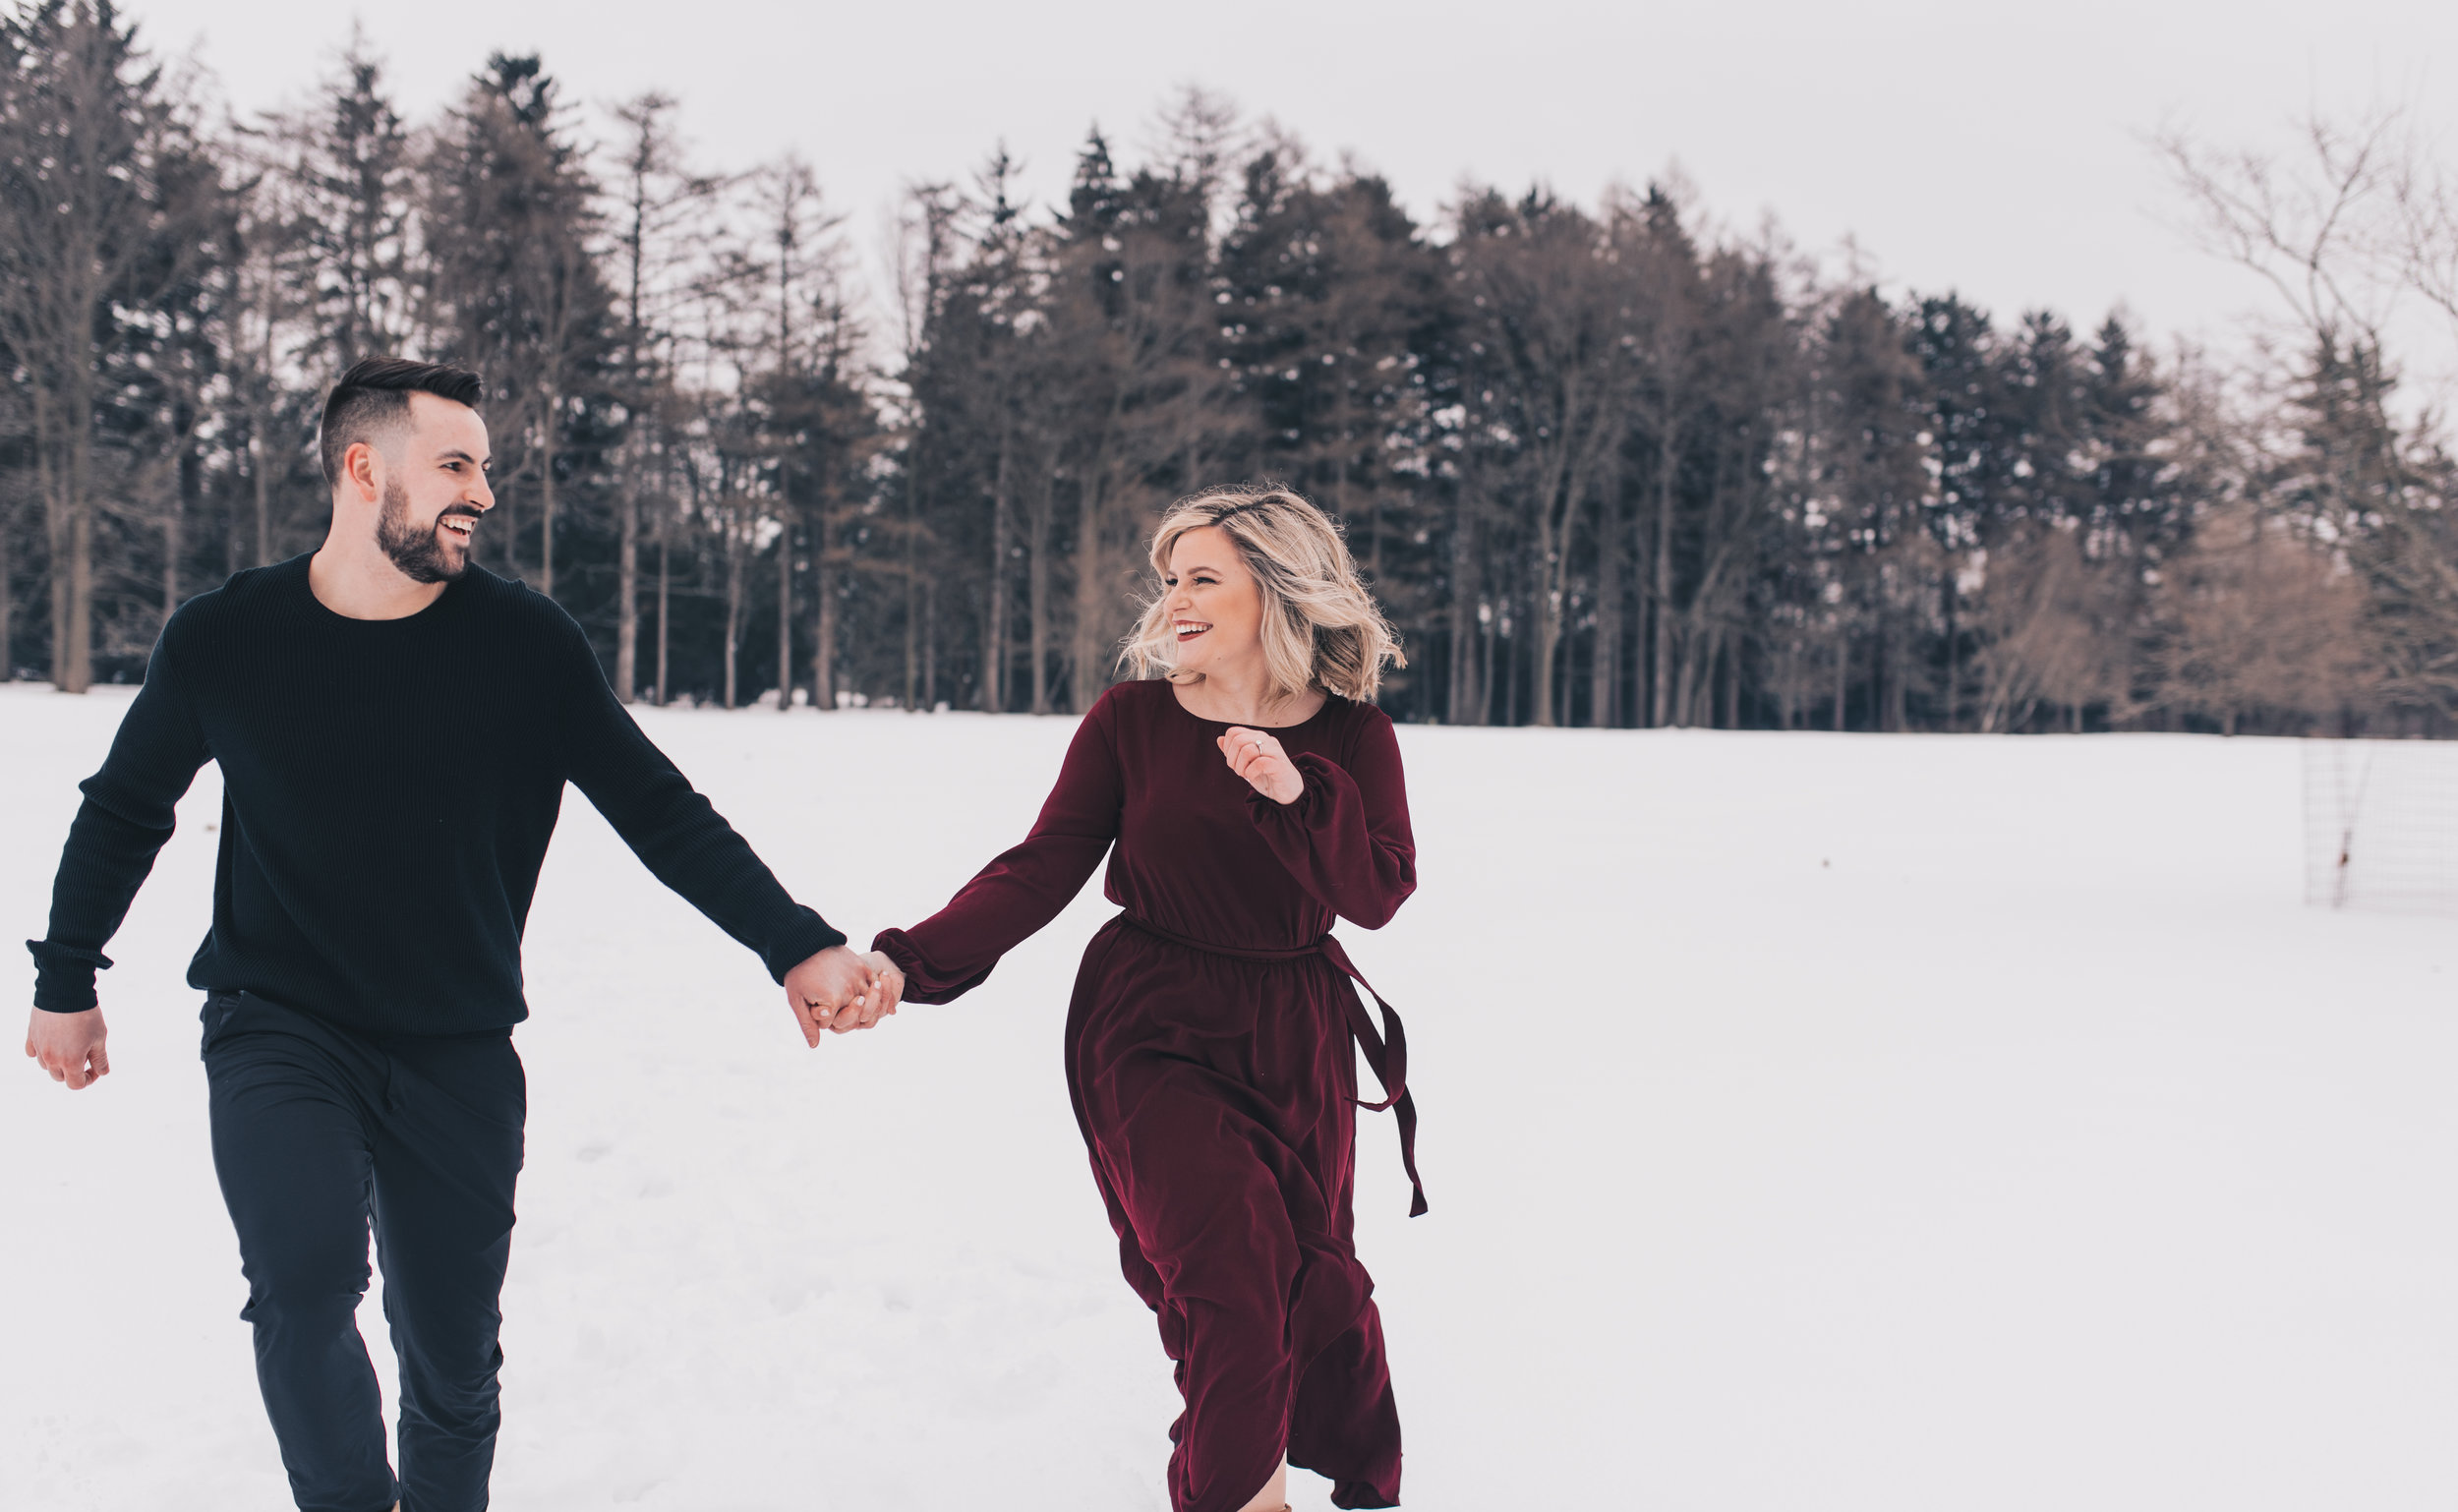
column 318, row 1131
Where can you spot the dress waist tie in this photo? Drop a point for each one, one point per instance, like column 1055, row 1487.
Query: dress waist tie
column 1386, row 1053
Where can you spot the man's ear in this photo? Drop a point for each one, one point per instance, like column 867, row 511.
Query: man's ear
column 360, row 471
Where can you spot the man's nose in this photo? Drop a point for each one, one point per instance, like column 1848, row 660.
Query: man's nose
column 481, row 496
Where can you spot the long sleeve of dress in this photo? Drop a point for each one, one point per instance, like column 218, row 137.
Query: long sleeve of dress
column 676, row 832
column 1346, row 838
column 125, row 821
column 952, row 952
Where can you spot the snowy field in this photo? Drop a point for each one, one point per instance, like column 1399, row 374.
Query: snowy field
column 1810, row 1123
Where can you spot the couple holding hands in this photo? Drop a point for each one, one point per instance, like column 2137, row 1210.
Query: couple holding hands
column 395, row 727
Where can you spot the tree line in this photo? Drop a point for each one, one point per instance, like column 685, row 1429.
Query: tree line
column 1606, row 465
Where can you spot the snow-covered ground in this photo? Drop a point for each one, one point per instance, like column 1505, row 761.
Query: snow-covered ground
column 1810, row 1123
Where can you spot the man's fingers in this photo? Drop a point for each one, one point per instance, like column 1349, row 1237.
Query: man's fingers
column 101, row 1062
column 805, row 1019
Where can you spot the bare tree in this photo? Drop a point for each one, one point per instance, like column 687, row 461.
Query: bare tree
column 2043, row 615
column 84, row 234
column 2312, row 228
column 656, row 201
column 2266, row 625
column 1550, row 319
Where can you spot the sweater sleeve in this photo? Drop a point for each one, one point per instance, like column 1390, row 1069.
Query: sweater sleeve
column 127, row 817
column 952, row 952
column 673, row 829
column 1346, row 838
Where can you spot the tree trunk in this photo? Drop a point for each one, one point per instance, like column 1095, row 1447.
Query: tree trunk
column 1953, row 655
column 664, row 579
column 263, row 488
column 627, row 592
column 1490, row 634
column 1660, row 602
column 1686, row 686
column 8, row 599
column 1085, row 680
column 736, row 550
column 1506, row 648
column 545, row 495
column 824, row 613
column 784, row 619
column 994, row 624
column 931, row 647
column 1604, row 671
column 1551, row 546
column 1898, row 680
column 171, row 547
column 1468, row 641
column 1037, row 594
column 913, row 584
column 1843, row 672
column 72, row 645
column 1731, row 681
column 56, row 551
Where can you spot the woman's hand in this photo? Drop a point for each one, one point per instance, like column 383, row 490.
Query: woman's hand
column 891, row 989
column 1258, row 758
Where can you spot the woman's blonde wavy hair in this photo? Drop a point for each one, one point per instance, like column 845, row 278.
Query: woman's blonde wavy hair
column 1321, row 628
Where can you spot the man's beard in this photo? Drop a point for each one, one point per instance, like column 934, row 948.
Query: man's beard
column 422, row 556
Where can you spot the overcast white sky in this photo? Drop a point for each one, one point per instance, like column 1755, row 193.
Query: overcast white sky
column 1991, row 149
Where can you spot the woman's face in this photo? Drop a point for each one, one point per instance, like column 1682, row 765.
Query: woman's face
column 1215, row 610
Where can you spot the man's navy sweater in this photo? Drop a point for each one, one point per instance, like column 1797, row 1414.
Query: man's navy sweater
column 389, row 787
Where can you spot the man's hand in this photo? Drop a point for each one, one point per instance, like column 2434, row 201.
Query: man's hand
column 835, row 989
column 69, row 1046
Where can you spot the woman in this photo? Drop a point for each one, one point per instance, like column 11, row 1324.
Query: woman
column 1251, row 793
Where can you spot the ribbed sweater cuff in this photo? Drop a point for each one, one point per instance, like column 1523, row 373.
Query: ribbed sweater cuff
column 806, row 937
column 64, row 977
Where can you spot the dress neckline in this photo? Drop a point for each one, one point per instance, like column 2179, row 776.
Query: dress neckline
column 1172, row 688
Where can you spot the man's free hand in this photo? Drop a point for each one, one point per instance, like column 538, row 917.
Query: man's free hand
column 69, row 1046
column 834, row 990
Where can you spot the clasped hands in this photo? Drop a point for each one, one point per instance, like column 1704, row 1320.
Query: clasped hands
column 839, row 990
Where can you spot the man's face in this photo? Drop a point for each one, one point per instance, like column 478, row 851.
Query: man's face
column 435, row 490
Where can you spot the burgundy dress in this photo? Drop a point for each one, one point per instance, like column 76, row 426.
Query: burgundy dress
column 1208, row 1060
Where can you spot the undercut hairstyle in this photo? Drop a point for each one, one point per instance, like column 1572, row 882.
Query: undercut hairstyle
column 1321, row 628
column 375, row 396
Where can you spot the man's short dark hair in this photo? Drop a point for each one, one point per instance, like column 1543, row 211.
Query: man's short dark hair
column 375, row 394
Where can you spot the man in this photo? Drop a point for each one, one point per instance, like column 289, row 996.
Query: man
column 394, row 728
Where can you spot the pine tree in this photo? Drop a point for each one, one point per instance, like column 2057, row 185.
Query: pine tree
column 519, row 293
column 88, row 238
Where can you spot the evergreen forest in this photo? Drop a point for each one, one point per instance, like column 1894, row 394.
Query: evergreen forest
column 1605, row 464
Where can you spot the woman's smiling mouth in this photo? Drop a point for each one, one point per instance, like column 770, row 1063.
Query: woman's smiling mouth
column 1189, row 630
